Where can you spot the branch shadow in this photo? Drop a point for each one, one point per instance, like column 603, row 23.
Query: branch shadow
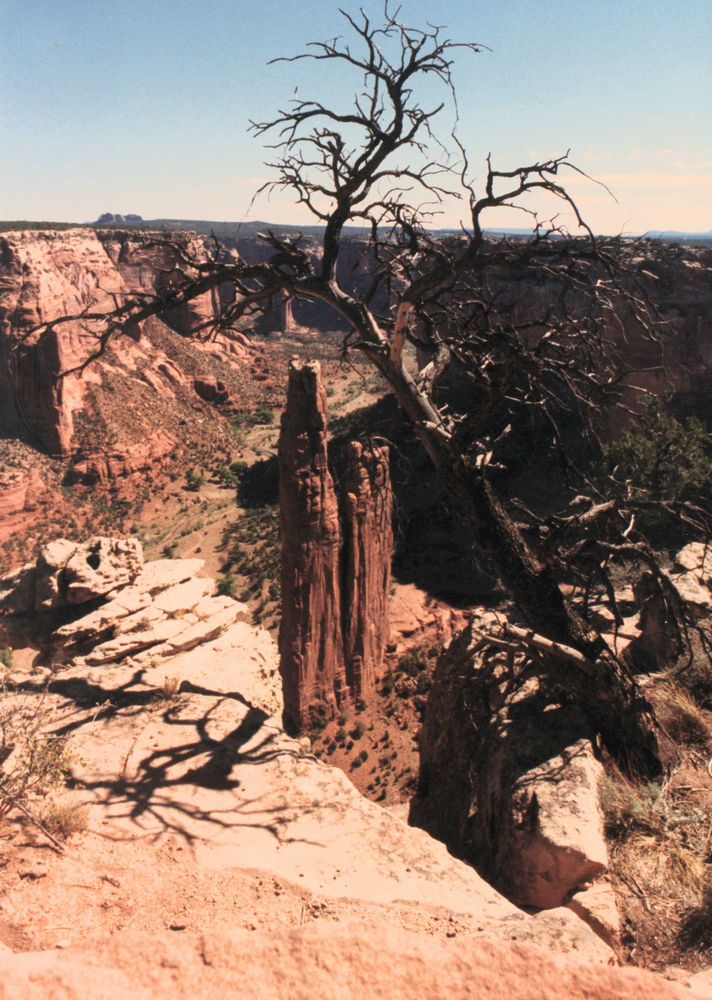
column 148, row 787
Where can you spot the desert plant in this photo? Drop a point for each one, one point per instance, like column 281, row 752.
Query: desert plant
column 33, row 761
column 627, row 806
column 63, row 819
column 660, row 458
column 6, row 657
column 194, row 479
column 169, row 692
column 679, row 715
column 227, row 584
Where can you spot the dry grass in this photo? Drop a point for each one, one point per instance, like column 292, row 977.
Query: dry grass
column 169, row 693
column 64, row 818
column 679, row 715
column 33, row 761
column 659, row 846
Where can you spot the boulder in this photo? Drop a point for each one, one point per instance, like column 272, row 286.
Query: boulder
column 508, row 779
column 101, row 565
column 596, row 905
column 50, row 583
column 557, row 830
column 71, row 573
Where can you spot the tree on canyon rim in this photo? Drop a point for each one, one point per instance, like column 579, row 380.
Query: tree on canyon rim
column 379, row 164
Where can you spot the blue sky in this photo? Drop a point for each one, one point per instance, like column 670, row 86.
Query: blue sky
column 144, row 106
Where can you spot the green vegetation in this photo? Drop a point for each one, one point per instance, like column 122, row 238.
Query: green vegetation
column 660, row 458
column 227, row 584
column 194, row 479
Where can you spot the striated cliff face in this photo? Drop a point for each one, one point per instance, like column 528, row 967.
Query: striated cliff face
column 128, row 399
column 323, row 661
column 310, row 640
column 368, row 551
column 42, row 276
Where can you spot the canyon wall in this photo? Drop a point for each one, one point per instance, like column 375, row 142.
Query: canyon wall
column 334, row 621
column 46, row 275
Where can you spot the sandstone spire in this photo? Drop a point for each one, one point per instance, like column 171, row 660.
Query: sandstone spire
column 368, row 551
column 310, row 638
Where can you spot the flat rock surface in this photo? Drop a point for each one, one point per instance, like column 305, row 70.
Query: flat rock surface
column 221, row 858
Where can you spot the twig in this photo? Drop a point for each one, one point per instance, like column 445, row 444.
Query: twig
column 33, row 819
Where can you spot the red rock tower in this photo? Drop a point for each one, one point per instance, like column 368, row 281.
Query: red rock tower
column 310, row 639
column 368, row 551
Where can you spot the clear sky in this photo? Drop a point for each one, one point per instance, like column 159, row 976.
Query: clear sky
column 143, row 105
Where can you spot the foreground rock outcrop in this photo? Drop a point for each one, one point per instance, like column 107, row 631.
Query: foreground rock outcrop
column 349, row 961
column 334, row 622
column 119, row 607
column 508, row 779
column 219, row 856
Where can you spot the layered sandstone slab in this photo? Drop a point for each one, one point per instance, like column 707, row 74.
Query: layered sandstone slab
column 347, row 961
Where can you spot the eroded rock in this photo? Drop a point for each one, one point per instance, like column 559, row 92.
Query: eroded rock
column 310, row 638
column 368, row 552
column 508, row 779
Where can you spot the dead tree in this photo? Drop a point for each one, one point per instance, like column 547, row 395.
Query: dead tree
column 379, row 164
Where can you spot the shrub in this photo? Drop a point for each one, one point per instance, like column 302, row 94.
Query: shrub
column 194, row 479
column 263, row 415
column 6, row 657
column 227, row 584
column 63, row 819
column 32, row 762
column 169, row 693
column 661, row 458
column 679, row 715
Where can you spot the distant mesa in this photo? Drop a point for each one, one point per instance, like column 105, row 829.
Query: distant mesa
column 109, row 219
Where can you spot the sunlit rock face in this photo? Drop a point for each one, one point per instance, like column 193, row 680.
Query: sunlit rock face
column 336, row 566
column 310, row 638
column 368, row 552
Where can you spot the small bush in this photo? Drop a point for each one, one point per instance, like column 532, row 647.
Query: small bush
column 358, row 731
column 679, row 715
column 63, row 819
column 661, row 458
column 263, row 415
column 194, row 479
column 32, row 762
column 169, row 693
column 6, row 657
column 227, row 584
